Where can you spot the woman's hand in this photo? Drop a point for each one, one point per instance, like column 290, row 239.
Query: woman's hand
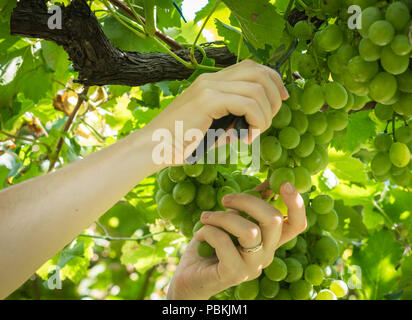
column 246, row 89
column 200, row 278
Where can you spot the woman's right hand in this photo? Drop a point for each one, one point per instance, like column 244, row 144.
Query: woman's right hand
column 246, row 89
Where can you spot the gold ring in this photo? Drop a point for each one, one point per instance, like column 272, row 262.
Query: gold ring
column 252, row 250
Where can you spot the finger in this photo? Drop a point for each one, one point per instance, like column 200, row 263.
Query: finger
column 263, row 186
column 238, row 105
column 259, row 74
column 296, row 220
column 270, row 220
column 279, row 82
column 226, row 251
column 247, row 232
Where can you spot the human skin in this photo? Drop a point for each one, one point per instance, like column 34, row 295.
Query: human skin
column 42, row 215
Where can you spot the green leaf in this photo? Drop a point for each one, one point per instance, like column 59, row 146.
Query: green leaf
column 347, row 168
column 398, row 204
column 359, row 130
column 259, row 20
column 350, row 223
column 378, row 258
column 4, row 172
column 372, row 219
column 232, row 37
column 67, row 254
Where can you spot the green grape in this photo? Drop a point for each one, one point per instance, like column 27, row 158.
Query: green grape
column 326, row 250
column 393, row 63
column 196, row 215
column 289, row 138
column 369, row 51
column 303, row 179
column 383, row 112
column 325, row 294
column 403, row 179
column 295, row 93
column 208, row 175
column 301, row 258
column 403, row 134
column 330, row 38
column 221, row 192
column 245, row 182
column 193, row 170
column 280, row 253
column 398, row 15
column 268, row 288
column 305, row 146
column 277, row 270
column 270, row 149
column 301, row 245
column 283, row 295
column 198, row 225
column 317, row 123
column 401, row 45
column 383, row 177
column 283, row 117
column 360, row 102
column 336, row 95
column 395, row 171
column 399, row 154
column 383, row 87
column 312, row 99
column 405, row 81
column 361, row 70
column 168, row 208
column 290, row 244
column 205, row 197
column 369, row 16
column 159, row 194
column 337, row 119
column 247, row 290
column 186, row 226
column 382, row 142
column 381, row 32
column 314, row 275
column 381, row 164
column 307, row 66
column 295, row 270
column 334, row 65
column 231, row 182
column 326, row 137
column 176, row 174
column 283, row 160
column 300, row 290
column 329, row 221
column 351, row 102
column 345, row 53
column 303, row 30
column 322, row 204
column 184, row 192
column 358, row 88
column 299, row 121
column 405, row 104
column 330, row 6
column 280, row 176
column 395, row 98
column 311, row 217
column 314, row 162
column 205, row 250
column 339, row 288
column 164, row 181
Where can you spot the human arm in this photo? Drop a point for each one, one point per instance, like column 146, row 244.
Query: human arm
column 39, row 216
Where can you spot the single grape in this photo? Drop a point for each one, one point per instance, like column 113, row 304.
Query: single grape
column 159, row 194
column 283, row 117
column 335, row 66
column 317, row 123
column 322, row 204
column 300, row 290
column 283, row 295
column 164, row 181
column 325, row 294
column 205, row 197
column 368, row 17
column 403, row 134
column 186, row 226
column 351, row 102
column 326, row 137
column 305, row 146
column 361, row 70
column 270, row 149
column 290, row 244
column 311, row 217
column 326, row 250
column 303, row 30
column 383, row 87
column 399, row 154
column 283, row 160
column 337, row 119
column 381, row 32
column 381, row 164
column 301, row 257
column 401, row 45
column 168, row 208
column 339, row 288
column 355, row 87
column 289, row 138
column 393, row 63
column 184, row 192
column 329, row 221
column 205, row 250
column 345, row 53
column 295, row 93
column 208, row 175
column 247, row 290
column 336, row 95
column 277, row 270
column 301, row 245
column 369, row 51
column 383, row 142
column 314, row 275
column 404, row 105
column 330, row 38
column 221, row 192
column 299, row 121
column 307, row 66
column 398, row 15
column 176, row 174
column 279, row 177
column 269, row 288
column 312, row 99
column 303, row 179
column 314, row 162
column 193, row 170
column 405, row 81
column 295, row 270
column 383, row 112
column 402, row 180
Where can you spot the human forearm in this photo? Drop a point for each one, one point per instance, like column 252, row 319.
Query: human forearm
column 40, row 216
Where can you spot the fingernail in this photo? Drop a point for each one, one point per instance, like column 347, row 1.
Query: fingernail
column 227, row 198
column 206, row 215
column 286, row 93
column 289, row 188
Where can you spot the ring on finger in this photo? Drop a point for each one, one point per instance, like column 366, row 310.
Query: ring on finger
column 252, row 250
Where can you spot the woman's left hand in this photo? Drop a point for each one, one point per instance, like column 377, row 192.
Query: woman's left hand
column 201, row 278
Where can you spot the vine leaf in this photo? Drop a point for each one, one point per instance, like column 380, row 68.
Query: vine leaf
column 259, row 20
column 232, row 37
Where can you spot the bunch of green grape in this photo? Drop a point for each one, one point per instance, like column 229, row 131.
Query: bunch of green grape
column 392, row 160
column 302, row 268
